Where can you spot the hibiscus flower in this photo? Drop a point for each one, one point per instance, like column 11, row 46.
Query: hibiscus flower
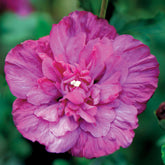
column 81, row 88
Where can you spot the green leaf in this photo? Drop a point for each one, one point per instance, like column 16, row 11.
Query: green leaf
column 163, row 153
column 138, row 9
column 81, row 161
column 91, row 5
column 63, row 8
column 145, row 30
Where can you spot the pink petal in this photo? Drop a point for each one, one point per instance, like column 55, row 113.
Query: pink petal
column 74, row 46
column 36, row 129
column 126, row 116
column 44, row 47
column 119, row 133
column 48, row 87
column 89, row 147
column 95, row 94
column 64, row 125
column 63, row 143
column 37, row 96
column 143, row 71
column 116, row 68
column 49, row 113
column 94, row 56
column 48, row 69
column 123, row 137
column 69, row 30
column 132, row 50
column 29, row 125
column 76, row 96
column 105, row 115
column 109, row 93
column 86, row 116
column 59, row 36
column 23, row 68
column 93, row 26
column 66, row 46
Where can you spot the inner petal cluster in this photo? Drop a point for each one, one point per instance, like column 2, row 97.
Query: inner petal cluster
column 74, row 85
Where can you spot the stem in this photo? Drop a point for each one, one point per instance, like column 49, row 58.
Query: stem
column 103, row 8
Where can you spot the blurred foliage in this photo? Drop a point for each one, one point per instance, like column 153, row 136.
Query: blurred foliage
column 163, row 153
column 144, row 19
column 60, row 162
column 91, row 5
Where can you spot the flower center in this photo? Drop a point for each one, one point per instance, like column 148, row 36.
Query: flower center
column 75, row 83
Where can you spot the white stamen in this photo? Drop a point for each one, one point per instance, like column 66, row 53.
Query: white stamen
column 75, row 83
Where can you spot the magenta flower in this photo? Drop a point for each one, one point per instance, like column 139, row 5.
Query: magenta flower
column 21, row 7
column 81, row 88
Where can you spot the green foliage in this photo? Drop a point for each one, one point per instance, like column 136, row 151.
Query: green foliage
column 15, row 29
column 60, row 162
column 117, row 158
column 139, row 8
column 91, row 5
column 163, row 153
column 63, row 8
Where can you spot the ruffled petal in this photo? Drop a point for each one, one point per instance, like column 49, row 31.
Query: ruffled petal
column 66, row 45
column 48, row 113
column 29, row 125
column 23, row 68
column 43, row 49
column 37, row 129
column 143, row 71
column 109, row 93
column 64, row 125
column 126, row 116
column 48, row 69
column 63, row 143
column 94, row 56
column 105, row 115
column 77, row 96
column 74, row 47
column 37, row 96
column 49, row 87
column 86, row 116
column 93, row 26
column 120, row 119
column 89, row 147
column 69, row 31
